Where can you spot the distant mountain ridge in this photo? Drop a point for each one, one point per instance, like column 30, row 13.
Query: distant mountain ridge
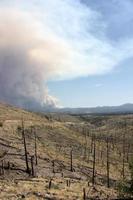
column 125, row 108
column 122, row 109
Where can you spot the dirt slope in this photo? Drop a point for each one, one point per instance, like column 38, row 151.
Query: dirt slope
column 56, row 136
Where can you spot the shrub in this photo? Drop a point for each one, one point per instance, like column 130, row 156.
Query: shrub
column 125, row 187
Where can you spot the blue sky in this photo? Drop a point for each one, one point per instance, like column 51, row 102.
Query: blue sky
column 73, row 53
column 115, row 87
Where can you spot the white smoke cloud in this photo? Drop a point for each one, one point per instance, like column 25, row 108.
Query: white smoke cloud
column 51, row 40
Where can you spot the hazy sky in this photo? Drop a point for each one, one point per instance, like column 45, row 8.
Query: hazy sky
column 77, row 52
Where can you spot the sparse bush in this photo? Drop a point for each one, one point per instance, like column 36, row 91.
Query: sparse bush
column 125, row 187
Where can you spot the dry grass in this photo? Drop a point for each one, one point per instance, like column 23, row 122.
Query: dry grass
column 56, row 136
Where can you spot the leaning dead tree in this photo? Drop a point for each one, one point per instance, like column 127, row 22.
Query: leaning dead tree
column 25, row 148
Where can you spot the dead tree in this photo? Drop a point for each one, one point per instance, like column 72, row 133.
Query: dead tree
column 8, row 165
column 68, row 183
column 32, row 166
column 98, row 150
column 123, row 147
column 53, row 164
column 85, row 143
column 25, row 148
column 36, row 156
column 108, row 182
column 94, row 160
column 71, row 156
column 101, row 154
column 50, row 184
column 84, row 194
column 2, row 168
column 128, row 149
column 91, row 144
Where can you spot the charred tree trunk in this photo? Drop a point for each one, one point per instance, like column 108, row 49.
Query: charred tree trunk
column 84, row 194
column 128, row 149
column 94, row 160
column 53, row 164
column 123, row 159
column 32, row 166
column 36, row 156
column 71, row 155
column 108, row 182
column 68, row 183
column 2, row 168
column 25, row 148
column 91, row 144
column 50, row 184
column 85, row 144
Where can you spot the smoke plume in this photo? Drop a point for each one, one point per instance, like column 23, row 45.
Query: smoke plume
column 25, row 64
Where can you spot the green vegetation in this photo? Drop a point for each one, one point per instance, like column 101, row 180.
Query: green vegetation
column 125, row 187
